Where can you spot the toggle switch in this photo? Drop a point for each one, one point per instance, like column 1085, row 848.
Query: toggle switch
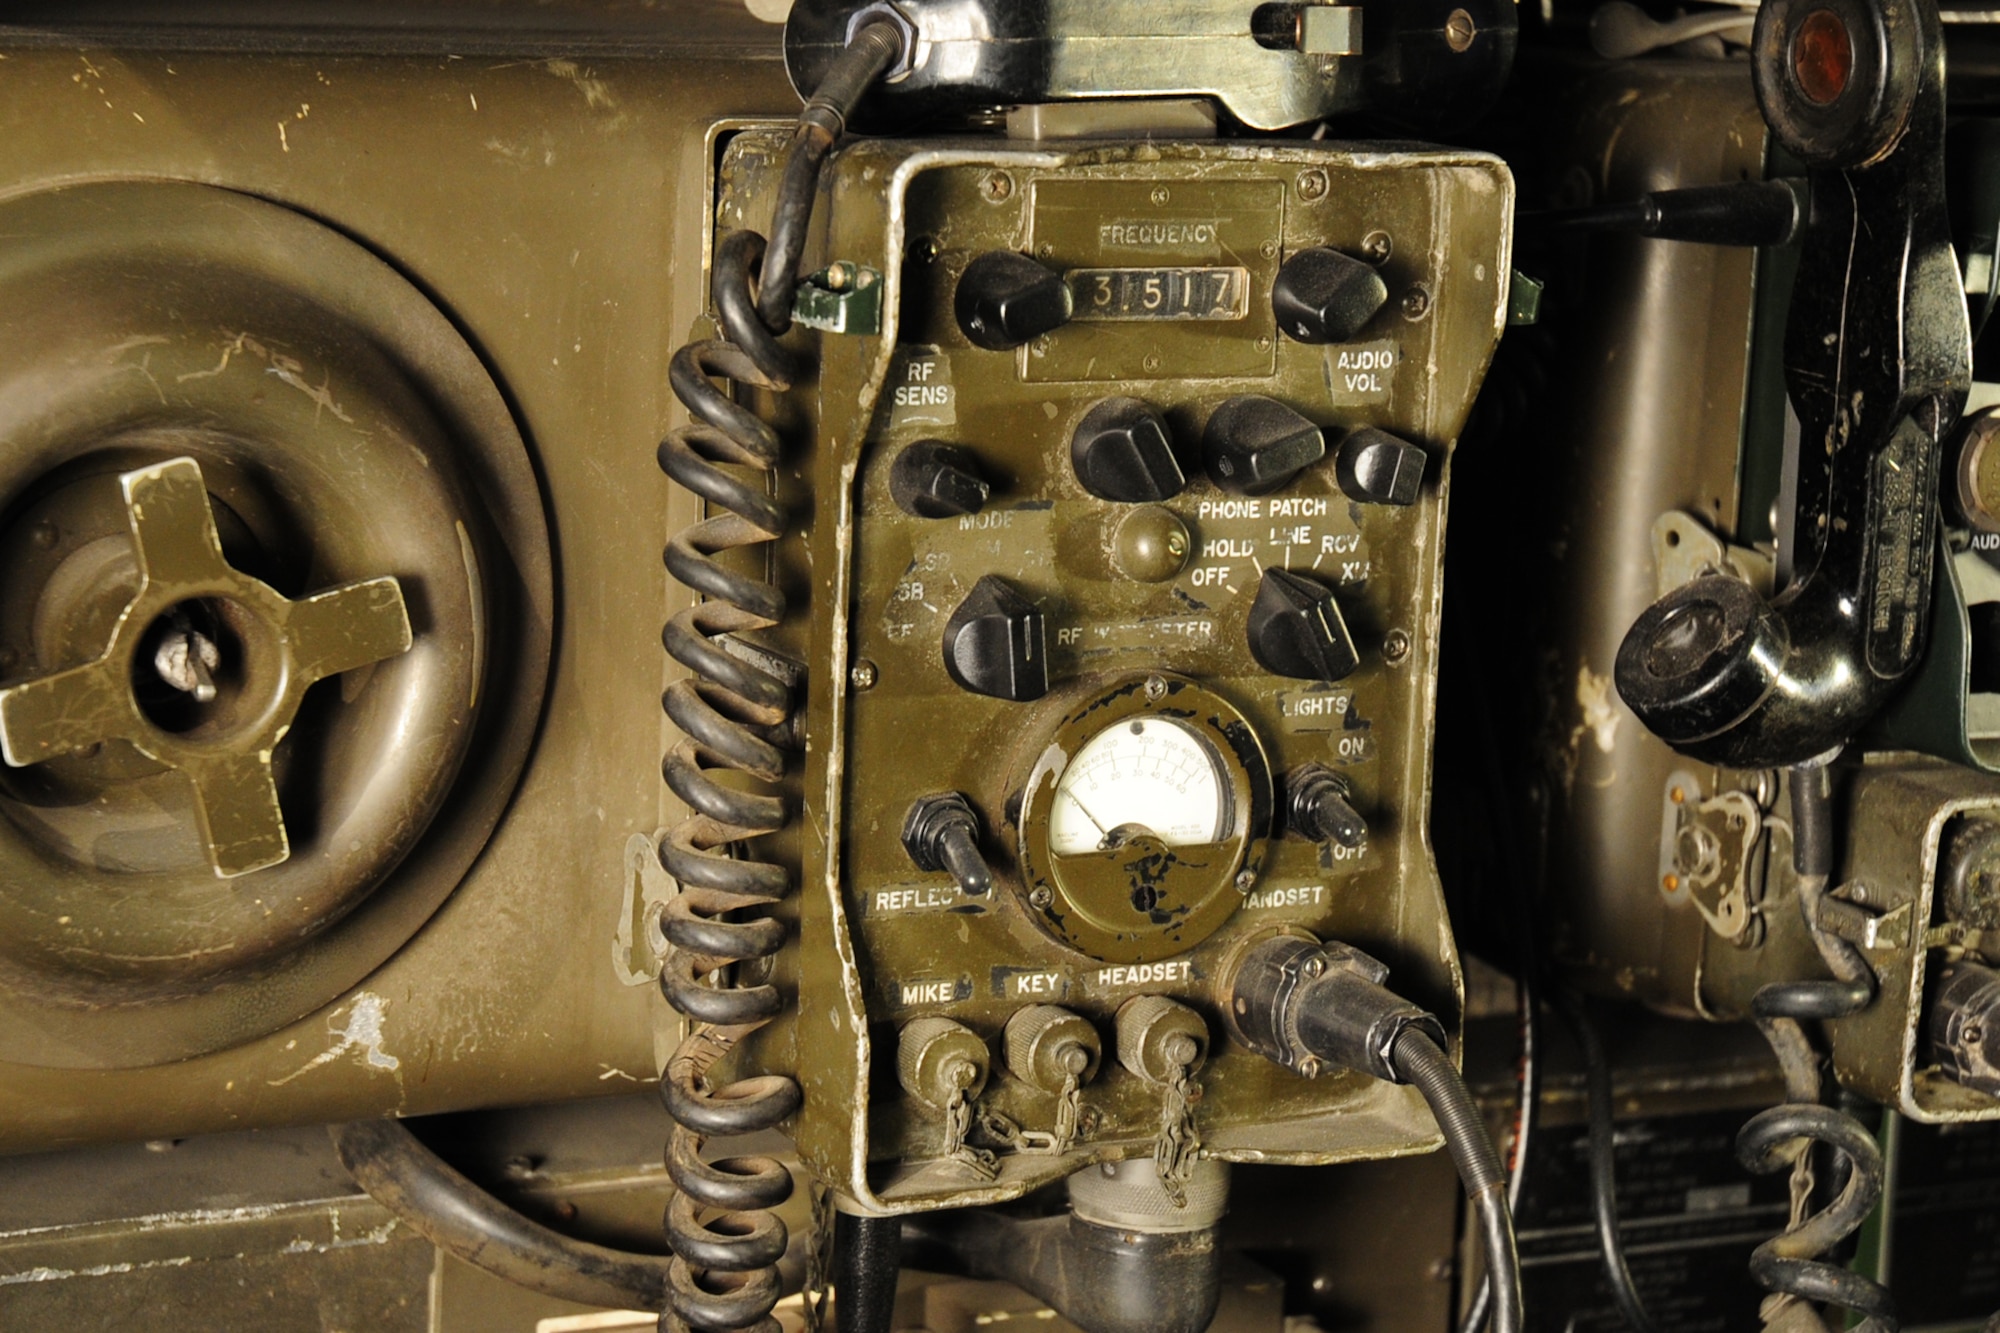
column 1318, row 807
column 1296, row 629
column 942, row 833
column 1006, row 299
column 932, row 479
column 1253, row 445
column 1324, row 296
column 996, row 643
column 1375, row 467
column 1124, row 452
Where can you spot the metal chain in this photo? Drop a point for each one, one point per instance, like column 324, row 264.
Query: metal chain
column 1174, row 1155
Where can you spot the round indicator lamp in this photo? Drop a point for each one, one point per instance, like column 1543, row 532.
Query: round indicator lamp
column 1144, row 816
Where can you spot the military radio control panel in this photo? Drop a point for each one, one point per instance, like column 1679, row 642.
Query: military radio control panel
column 1120, row 523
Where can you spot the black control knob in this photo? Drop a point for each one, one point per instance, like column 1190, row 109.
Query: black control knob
column 1318, row 808
column 1324, row 296
column 1123, row 451
column 996, row 643
column 1296, row 629
column 1254, row 445
column 1006, row 299
column 1375, row 467
column 932, row 479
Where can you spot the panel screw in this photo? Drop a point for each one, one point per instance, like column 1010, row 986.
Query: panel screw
column 1151, row 362
column 1264, row 344
column 1395, row 646
column 1312, row 184
column 863, row 676
column 1416, row 303
column 1047, row 250
column 925, row 249
column 1161, row 195
column 1313, row 967
column 1268, row 249
column 1156, row 688
column 997, row 187
column 1246, row 880
column 1459, row 30
column 1377, row 246
column 1041, row 898
column 1308, row 1066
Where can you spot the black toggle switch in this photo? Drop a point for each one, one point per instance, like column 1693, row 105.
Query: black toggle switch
column 996, row 643
column 1254, row 445
column 1324, row 296
column 1296, row 629
column 1375, row 467
column 932, row 479
column 1123, row 451
column 942, row 833
column 1006, row 299
column 1318, row 809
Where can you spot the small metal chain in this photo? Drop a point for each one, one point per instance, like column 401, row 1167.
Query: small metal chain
column 819, row 1261
column 1174, row 1155
column 958, row 1125
column 1069, row 1108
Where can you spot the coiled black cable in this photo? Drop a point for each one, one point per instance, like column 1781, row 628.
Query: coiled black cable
column 1603, row 1169
column 1790, row 1263
column 734, row 714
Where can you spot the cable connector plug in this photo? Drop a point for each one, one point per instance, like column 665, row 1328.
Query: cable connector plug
column 1310, row 1006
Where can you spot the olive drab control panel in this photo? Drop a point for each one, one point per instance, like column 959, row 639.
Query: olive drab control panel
column 1113, row 572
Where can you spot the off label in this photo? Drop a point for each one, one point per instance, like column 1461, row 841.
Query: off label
column 1361, row 372
column 923, row 395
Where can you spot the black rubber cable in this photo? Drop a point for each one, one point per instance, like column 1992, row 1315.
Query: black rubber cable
column 463, row 1220
column 1418, row 1060
column 1604, row 1169
column 1528, row 1099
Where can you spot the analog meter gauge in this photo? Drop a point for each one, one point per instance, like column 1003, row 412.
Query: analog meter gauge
column 1144, row 819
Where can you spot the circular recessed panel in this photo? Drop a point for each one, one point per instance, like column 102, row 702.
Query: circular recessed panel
column 344, row 437
column 1143, row 816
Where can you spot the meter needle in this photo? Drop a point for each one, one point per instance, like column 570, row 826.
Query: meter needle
column 1077, row 801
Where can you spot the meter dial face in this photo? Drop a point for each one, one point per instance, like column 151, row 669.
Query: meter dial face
column 1144, row 815
column 1144, row 776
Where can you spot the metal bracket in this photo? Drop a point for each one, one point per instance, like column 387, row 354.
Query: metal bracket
column 286, row 646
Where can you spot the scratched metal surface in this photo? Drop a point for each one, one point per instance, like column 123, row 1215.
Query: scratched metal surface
column 553, row 210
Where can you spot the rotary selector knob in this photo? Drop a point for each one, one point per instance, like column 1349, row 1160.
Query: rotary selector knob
column 932, row 479
column 1253, row 445
column 1124, row 452
column 1296, row 629
column 1006, row 299
column 1324, row 296
column 995, row 643
column 1376, row 467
